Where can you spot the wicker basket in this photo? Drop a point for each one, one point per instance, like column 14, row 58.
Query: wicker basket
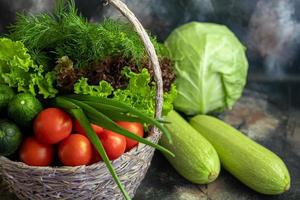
column 94, row 181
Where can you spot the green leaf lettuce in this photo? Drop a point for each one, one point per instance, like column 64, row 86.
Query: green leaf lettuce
column 18, row 70
column 139, row 93
column 104, row 89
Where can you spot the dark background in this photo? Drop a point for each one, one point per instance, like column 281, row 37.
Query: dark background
column 270, row 29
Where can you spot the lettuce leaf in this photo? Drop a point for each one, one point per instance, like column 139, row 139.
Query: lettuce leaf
column 139, row 93
column 169, row 98
column 18, row 70
column 104, row 89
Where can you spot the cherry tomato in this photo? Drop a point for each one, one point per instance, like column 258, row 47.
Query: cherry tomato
column 113, row 143
column 35, row 153
column 75, row 150
column 78, row 129
column 52, row 125
column 133, row 127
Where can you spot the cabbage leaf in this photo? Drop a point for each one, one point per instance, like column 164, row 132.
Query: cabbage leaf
column 211, row 67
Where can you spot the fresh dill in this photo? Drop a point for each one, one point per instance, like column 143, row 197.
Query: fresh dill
column 64, row 32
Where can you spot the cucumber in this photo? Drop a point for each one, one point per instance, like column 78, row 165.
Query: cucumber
column 10, row 138
column 195, row 158
column 23, row 108
column 6, row 95
column 250, row 162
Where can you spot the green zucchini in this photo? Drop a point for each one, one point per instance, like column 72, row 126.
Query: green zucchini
column 250, row 162
column 195, row 158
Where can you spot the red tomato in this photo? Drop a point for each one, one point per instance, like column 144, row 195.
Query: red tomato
column 52, row 125
column 78, row 129
column 75, row 150
column 113, row 143
column 133, row 127
column 34, row 153
column 96, row 157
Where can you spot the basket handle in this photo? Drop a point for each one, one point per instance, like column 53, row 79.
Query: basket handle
column 149, row 49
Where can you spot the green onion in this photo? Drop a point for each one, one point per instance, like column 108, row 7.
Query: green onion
column 105, row 122
column 102, row 112
column 118, row 114
column 78, row 113
column 126, row 108
column 113, row 112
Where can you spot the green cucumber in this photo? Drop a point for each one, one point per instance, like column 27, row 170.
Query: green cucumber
column 10, row 138
column 195, row 158
column 6, row 95
column 23, row 108
column 250, row 162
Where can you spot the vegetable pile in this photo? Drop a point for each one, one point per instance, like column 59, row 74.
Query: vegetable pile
column 77, row 93
column 208, row 141
column 54, row 128
column 211, row 69
column 63, row 53
column 85, row 93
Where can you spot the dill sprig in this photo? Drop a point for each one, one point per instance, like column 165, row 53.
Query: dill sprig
column 64, row 32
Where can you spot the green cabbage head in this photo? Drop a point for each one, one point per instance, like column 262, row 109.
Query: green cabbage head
column 211, row 67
